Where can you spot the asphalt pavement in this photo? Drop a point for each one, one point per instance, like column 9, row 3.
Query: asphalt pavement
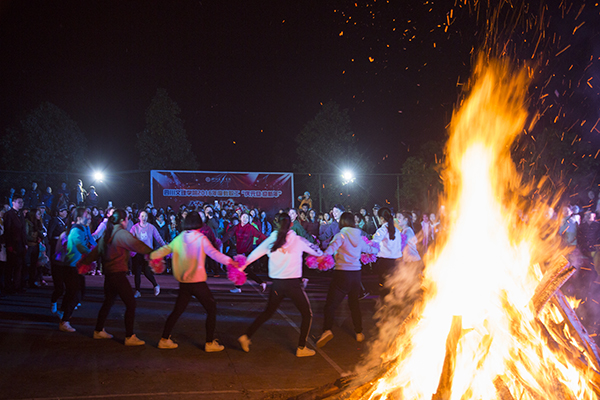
column 37, row 361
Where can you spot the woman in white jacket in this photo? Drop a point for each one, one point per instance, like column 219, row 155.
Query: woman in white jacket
column 347, row 245
column 390, row 252
column 190, row 249
column 284, row 249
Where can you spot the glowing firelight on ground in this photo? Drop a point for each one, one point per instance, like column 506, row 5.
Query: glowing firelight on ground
column 482, row 274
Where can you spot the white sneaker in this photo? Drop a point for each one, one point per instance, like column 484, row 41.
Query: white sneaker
column 263, row 286
column 304, row 282
column 156, row 290
column 304, row 352
column 167, row 344
column 54, row 308
column 137, row 294
column 360, row 337
column 236, row 290
column 102, row 335
column 213, row 347
column 134, row 341
column 325, row 337
column 245, row 342
column 65, row 326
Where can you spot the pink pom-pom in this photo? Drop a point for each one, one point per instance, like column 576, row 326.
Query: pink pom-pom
column 326, row 262
column 240, row 259
column 368, row 258
column 235, row 275
column 312, row 262
column 158, row 265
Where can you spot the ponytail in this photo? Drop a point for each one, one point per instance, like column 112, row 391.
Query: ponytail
column 386, row 215
column 282, row 222
column 115, row 219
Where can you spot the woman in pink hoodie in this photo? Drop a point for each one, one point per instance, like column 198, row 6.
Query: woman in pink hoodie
column 190, row 249
column 347, row 245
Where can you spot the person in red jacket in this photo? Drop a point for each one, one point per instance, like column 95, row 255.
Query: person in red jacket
column 244, row 234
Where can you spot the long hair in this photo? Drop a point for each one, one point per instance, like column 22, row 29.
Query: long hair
column 115, row 219
column 347, row 220
column 387, row 216
column 76, row 213
column 282, row 222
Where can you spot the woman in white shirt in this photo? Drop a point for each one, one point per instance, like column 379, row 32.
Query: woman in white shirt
column 284, row 249
column 390, row 242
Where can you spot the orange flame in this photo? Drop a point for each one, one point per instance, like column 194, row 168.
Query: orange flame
column 481, row 272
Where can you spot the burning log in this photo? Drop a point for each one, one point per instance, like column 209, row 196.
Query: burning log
column 444, row 389
column 553, row 279
column 577, row 329
column 502, row 389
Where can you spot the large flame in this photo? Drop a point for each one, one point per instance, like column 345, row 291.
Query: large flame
column 483, row 272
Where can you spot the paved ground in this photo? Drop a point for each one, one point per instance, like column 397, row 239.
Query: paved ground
column 38, row 361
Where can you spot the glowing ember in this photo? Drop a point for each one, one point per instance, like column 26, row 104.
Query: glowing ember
column 473, row 334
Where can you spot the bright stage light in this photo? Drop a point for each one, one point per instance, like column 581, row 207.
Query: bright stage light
column 347, row 177
column 98, row 176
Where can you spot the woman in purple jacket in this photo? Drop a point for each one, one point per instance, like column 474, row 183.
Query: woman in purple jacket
column 147, row 233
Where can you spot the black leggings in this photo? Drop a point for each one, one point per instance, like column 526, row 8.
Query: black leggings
column 72, row 281
column 280, row 289
column 58, row 279
column 117, row 284
column 385, row 267
column 201, row 291
column 344, row 283
column 139, row 265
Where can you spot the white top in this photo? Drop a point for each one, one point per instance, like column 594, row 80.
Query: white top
column 286, row 261
column 388, row 248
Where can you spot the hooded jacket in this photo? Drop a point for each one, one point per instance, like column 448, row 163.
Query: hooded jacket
column 286, row 261
column 190, row 249
column 348, row 244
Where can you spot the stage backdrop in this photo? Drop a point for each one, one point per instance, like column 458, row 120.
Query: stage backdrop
column 269, row 191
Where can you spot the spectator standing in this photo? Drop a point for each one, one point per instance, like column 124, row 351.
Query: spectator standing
column 48, row 200
column 34, row 233
column 91, row 199
column 16, row 245
column 328, row 231
column 80, row 194
column 146, row 233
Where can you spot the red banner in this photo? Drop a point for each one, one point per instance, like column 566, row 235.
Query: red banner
column 268, row 191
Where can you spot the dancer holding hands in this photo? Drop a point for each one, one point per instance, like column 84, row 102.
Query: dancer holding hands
column 284, row 249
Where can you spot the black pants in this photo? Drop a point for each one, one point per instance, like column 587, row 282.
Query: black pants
column 15, row 263
column 280, row 289
column 201, row 291
column 385, row 267
column 344, row 283
column 117, row 284
column 72, row 281
column 58, row 279
column 139, row 265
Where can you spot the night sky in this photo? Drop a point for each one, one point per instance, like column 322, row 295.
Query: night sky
column 248, row 75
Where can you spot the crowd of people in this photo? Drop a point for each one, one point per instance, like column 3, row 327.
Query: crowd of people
column 81, row 238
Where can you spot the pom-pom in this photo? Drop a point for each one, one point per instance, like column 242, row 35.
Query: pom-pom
column 157, row 265
column 367, row 258
column 83, row 269
column 311, row 262
column 240, row 259
column 235, row 275
column 323, row 263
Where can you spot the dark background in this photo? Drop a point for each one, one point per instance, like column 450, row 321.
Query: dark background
column 248, row 75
